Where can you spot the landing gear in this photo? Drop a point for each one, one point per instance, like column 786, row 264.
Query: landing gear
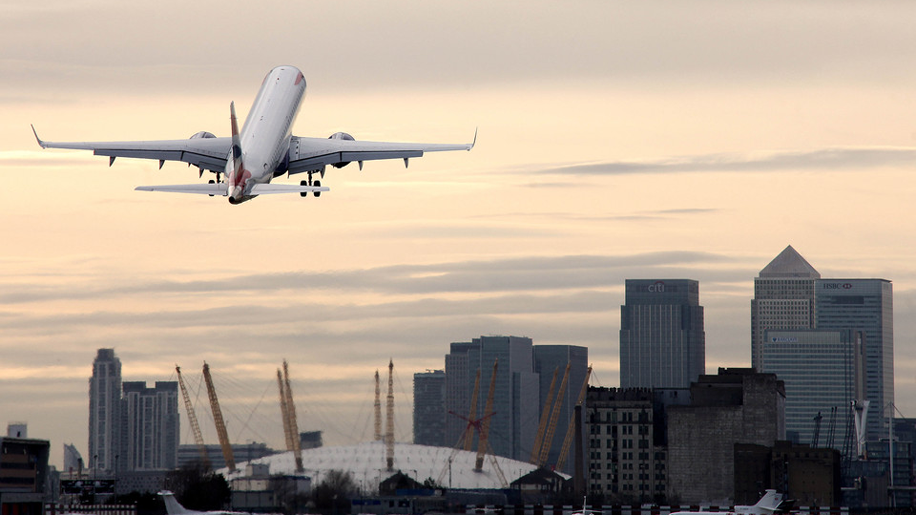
column 309, row 182
column 317, row 185
column 211, row 181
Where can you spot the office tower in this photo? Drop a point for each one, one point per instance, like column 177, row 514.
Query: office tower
column 864, row 305
column 429, row 408
column 783, row 299
column 150, row 428
column 662, row 340
column 104, row 411
column 823, row 372
column 514, row 419
column 547, row 359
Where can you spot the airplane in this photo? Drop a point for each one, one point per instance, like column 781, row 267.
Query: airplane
column 263, row 150
column 173, row 507
column 771, row 503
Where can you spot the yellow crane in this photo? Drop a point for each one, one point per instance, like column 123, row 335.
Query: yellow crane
column 284, row 411
column 378, row 408
column 542, row 426
column 472, row 413
column 485, row 426
column 192, row 418
column 389, row 413
column 561, row 460
column 218, row 420
column 293, row 421
column 552, row 427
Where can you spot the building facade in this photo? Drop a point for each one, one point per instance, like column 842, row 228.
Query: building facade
column 149, row 426
column 547, row 360
column 429, row 408
column 627, row 458
column 105, row 411
column 866, row 306
column 735, row 406
column 662, row 338
column 783, row 299
column 823, row 372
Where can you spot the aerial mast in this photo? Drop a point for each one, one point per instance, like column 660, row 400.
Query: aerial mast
column 378, row 408
column 389, row 428
column 485, row 426
column 218, row 420
column 293, row 421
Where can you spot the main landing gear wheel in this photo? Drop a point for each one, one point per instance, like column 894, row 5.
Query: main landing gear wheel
column 211, row 181
column 317, row 185
column 303, row 194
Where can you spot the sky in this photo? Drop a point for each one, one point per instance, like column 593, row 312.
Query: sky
column 616, row 140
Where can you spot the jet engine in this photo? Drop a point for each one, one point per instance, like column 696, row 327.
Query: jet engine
column 343, row 136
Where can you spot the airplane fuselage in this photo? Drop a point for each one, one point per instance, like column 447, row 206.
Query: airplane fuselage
column 265, row 136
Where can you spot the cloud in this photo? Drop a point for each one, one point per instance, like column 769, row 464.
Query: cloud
column 824, row 160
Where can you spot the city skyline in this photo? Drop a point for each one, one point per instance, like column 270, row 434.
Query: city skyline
column 615, row 141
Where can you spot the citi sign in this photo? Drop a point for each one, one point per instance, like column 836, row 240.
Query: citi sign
column 836, row 286
column 657, row 287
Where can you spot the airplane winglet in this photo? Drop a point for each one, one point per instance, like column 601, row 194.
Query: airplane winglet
column 40, row 143
column 475, row 139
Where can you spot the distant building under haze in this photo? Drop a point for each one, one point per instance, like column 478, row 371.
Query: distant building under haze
column 105, row 411
column 662, row 338
column 429, row 408
column 149, row 426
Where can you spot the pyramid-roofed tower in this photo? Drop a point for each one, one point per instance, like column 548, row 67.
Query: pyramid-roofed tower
column 789, row 263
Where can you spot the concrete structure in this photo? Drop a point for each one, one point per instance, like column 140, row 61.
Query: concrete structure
column 783, row 299
column 662, row 338
column 513, row 424
column 864, row 305
column 429, row 408
column 823, row 372
column 149, row 426
column 548, row 358
column 24, row 479
column 105, row 411
column 627, row 455
column 735, row 406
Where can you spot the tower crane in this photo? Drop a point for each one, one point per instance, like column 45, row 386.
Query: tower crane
column 192, row 418
column 536, row 450
column 293, row 421
column 284, row 411
column 389, row 422
column 218, row 420
column 552, row 426
column 378, row 408
column 572, row 421
column 485, row 428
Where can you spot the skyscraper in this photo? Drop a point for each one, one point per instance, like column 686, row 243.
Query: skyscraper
column 104, row 411
column 864, row 305
column 783, row 299
column 662, row 339
column 429, row 408
column 149, row 426
column 514, row 419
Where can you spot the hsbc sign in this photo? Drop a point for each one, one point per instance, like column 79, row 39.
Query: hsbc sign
column 837, row 286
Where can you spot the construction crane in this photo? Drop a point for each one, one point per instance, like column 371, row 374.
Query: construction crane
column 472, row 413
column 192, row 418
column 536, row 450
column 389, row 413
column 572, row 421
column 482, row 444
column 378, row 408
column 218, row 420
column 817, row 429
column 293, row 421
column 554, row 417
column 831, row 427
column 284, row 411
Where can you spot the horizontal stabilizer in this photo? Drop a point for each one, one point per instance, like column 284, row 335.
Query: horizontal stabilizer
column 265, row 189
column 204, row 189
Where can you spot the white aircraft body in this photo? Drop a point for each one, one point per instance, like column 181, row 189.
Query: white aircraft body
column 770, row 503
column 265, row 148
column 173, row 507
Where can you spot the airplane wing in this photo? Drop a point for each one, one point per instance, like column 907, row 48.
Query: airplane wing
column 310, row 154
column 220, row 188
column 202, row 150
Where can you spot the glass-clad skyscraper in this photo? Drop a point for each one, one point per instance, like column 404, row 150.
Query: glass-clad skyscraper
column 662, row 339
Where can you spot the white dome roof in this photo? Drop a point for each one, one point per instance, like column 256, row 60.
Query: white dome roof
column 366, row 464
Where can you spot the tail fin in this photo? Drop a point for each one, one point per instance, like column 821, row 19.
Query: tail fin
column 770, row 501
column 172, row 506
column 236, row 141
